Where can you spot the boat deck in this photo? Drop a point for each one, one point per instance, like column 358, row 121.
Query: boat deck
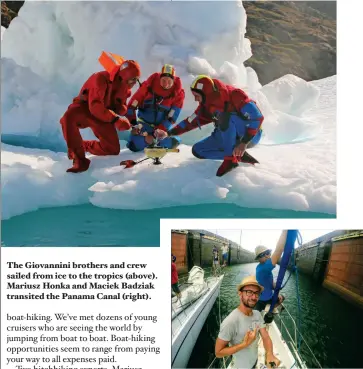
column 285, row 351
column 281, row 351
column 186, row 325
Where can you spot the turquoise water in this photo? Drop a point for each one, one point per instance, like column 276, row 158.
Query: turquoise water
column 331, row 326
column 88, row 225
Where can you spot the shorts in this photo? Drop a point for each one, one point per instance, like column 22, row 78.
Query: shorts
column 260, row 306
column 216, row 262
column 175, row 288
column 225, row 256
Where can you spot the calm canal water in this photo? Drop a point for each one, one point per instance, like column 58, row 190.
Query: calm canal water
column 331, row 326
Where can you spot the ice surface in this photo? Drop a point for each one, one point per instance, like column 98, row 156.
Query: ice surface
column 57, row 46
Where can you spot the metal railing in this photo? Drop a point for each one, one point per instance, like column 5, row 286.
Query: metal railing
column 224, row 362
column 294, row 336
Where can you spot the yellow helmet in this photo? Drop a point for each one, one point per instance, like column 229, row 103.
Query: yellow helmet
column 168, row 71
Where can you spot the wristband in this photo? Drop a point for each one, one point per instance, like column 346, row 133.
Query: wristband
column 114, row 120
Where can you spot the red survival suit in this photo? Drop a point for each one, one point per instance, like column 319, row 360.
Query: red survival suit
column 236, row 117
column 217, row 97
column 168, row 109
column 158, row 108
column 101, row 99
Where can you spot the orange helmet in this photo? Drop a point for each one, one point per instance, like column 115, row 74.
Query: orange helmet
column 167, row 71
column 129, row 69
column 204, row 86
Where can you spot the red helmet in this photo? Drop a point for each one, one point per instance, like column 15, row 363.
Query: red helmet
column 129, row 69
column 204, row 86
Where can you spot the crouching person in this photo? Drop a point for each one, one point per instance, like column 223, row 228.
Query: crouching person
column 236, row 117
column 154, row 108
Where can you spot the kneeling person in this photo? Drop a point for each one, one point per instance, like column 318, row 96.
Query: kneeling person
column 236, row 117
column 100, row 105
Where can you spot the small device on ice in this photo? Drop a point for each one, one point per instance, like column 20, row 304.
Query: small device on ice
column 155, row 153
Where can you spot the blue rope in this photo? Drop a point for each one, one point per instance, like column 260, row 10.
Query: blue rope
column 293, row 267
column 289, row 248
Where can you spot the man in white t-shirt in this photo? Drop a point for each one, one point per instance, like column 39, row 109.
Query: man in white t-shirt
column 238, row 332
column 225, row 250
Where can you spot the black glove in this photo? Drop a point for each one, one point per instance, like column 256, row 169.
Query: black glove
column 246, row 138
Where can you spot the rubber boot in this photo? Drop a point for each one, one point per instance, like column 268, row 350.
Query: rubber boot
column 79, row 165
column 80, row 162
column 229, row 163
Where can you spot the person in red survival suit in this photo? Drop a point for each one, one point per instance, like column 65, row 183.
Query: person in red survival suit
column 100, row 106
column 158, row 103
column 236, row 117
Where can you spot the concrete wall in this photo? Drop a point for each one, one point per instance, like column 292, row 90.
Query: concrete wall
column 238, row 255
column 305, row 258
column 194, row 247
column 203, row 244
column 179, row 249
column 312, row 257
column 344, row 275
column 336, row 261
